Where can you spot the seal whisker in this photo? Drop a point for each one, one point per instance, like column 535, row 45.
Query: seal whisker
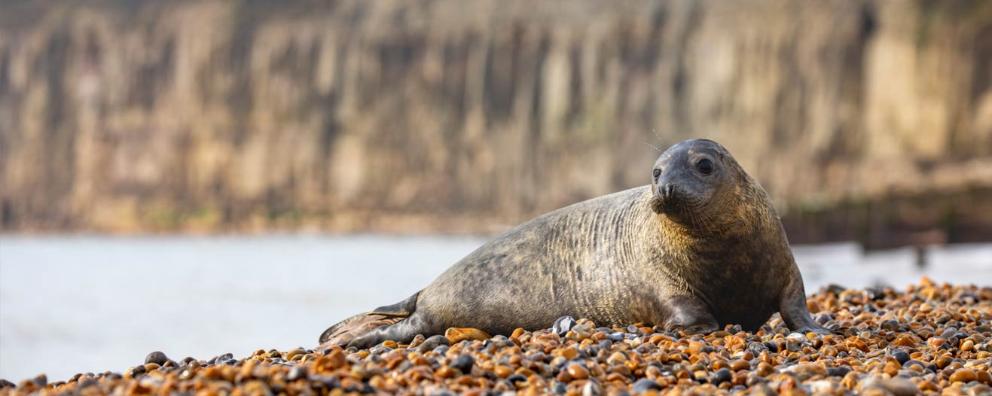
column 656, row 148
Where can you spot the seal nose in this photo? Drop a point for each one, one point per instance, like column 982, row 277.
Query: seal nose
column 667, row 191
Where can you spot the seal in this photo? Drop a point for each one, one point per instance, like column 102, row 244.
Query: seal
column 699, row 248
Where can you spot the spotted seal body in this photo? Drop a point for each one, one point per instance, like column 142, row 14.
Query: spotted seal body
column 699, row 248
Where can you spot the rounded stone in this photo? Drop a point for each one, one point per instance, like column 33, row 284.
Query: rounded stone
column 459, row 334
column 562, row 325
column 643, row 385
column 463, row 363
column 156, row 357
column 721, row 376
column 901, row 356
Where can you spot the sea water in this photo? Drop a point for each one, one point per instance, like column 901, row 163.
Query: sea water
column 71, row 304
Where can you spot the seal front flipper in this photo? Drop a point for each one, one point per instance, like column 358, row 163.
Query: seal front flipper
column 690, row 315
column 792, row 307
column 343, row 332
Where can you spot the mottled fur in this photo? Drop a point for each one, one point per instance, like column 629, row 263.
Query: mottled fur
column 708, row 251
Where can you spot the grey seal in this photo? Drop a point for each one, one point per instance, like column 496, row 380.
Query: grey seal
column 697, row 249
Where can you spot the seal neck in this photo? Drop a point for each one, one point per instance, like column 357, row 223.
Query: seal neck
column 745, row 222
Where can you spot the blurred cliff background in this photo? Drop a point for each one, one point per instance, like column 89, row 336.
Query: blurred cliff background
column 866, row 120
column 869, row 122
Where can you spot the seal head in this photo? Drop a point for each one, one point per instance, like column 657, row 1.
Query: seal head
column 694, row 181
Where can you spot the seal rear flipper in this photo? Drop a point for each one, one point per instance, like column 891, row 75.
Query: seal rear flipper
column 345, row 331
column 402, row 331
column 403, row 308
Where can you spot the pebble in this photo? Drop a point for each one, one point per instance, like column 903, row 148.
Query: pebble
column 739, row 365
column 643, row 385
column 890, row 325
column 433, row 342
column 591, row 388
column 463, row 363
column 459, row 334
column 896, row 386
column 721, row 376
column 577, row 371
column 156, row 357
column 502, row 371
column 756, row 348
column 963, row 375
column 928, row 338
column 901, row 356
column 563, row 325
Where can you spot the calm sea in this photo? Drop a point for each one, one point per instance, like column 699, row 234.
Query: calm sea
column 73, row 304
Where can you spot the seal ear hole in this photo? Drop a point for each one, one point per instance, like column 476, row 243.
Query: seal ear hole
column 705, row 166
column 657, row 173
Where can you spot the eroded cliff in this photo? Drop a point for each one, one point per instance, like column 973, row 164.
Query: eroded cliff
column 454, row 115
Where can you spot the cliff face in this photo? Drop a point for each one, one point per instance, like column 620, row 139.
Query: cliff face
column 144, row 116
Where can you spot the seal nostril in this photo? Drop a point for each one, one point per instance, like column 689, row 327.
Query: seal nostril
column 668, row 191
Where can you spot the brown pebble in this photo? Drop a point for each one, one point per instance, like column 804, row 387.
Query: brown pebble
column 904, row 340
column 502, row 371
column 333, row 360
column 576, row 371
column 616, row 358
column 891, row 368
column 983, row 376
column 928, row 386
column 459, row 334
column 569, row 353
column 445, row 372
column 967, row 345
column 942, row 362
column 295, row 353
column 963, row 375
column 737, row 365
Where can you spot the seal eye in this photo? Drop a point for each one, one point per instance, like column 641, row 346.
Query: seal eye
column 657, row 172
column 705, row 166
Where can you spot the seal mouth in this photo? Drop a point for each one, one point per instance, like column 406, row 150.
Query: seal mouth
column 671, row 200
column 665, row 199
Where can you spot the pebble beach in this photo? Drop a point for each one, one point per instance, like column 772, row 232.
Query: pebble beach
column 928, row 338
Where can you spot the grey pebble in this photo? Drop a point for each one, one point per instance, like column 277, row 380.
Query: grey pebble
column 156, row 357
column 463, row 363
column 433, row 342
column 721, row 376
column 644, row 385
